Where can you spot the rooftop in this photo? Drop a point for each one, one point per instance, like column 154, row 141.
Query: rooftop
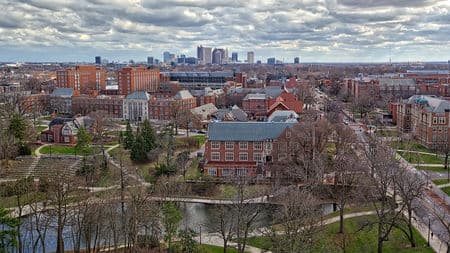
column 246, row 131
column 139, row 95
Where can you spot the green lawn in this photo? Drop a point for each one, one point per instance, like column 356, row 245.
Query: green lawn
column 200, row 138
column 435, row 169
column 446, row 190
column 213, row 249
column 7, row 202
column 441, row 181
column 39, row 129
column 62, row 150
column 357, row 241
column 416, row 158
column 410, row 145
column 193, row 171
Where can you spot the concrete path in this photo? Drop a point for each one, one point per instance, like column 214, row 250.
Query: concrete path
column 417, row 152
column 37, row 152
column 443, row 185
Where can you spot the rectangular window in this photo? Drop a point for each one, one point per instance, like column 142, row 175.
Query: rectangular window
column 243, row 156
column 257, row 157
column 215, row 156
column 243, row 145
column 281, row 157
column 215, row 145
column 257, row 145
column 241, row 172
column 229, row 156
column 288, row 134
column 269, row 146
column 441, row 120
column 212, row 172
column 226, row 172
column 229, row 145
column 435, row 120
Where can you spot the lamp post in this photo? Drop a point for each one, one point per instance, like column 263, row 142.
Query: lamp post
column 429, row 231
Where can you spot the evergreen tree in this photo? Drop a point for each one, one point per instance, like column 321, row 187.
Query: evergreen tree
column 17, row 127
column 138, row 153
column 149, row 136
column 83, row 140
column 129, row 137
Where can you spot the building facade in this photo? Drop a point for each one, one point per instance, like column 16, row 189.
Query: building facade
column 426, row 118
column 83, row 79
column 135, row 106
column 240, row 149
column 131, row 79
column 112, row 106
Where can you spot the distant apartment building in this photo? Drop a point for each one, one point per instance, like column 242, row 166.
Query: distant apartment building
column 241, row 149
column 135, row 106
column 98, row 60
column 431, row 82
column 426, row 118
column 296, row 60
column 234, row 57
column 83, row 79
column 131, row 79
column 271, row 61
column 250, row 57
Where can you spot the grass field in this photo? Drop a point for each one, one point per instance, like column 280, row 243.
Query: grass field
column 441, row 181
column 435, row 169
column 62, row 150
column 416, row 158
column 446, row 190
column 362, row 241
column 386, row 133
column 410, row 145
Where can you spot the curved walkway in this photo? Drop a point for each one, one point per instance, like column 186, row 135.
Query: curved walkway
column 216, row 240
column 37, row 152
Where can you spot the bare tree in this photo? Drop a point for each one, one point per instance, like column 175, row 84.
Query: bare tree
column 409, row 187
column 300, row 217
column 224, row 223
column 380, row 189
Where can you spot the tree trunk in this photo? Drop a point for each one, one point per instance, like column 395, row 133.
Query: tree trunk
column 410, row 229
column 341, row 219
column 225, row 245
column 380, row 239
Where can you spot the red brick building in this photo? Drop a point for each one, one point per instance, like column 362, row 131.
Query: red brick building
column 83, row 79
column 164, row 108
column 255, row 105
column 426, row 118
column 286, row 101
column 111, row 105
column 240, row 148
column 64, row 130
column 131, row 79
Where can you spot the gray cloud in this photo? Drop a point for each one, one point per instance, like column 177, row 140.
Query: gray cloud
column 327, row 30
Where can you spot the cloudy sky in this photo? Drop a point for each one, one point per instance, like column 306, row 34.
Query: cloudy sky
column 317, row 31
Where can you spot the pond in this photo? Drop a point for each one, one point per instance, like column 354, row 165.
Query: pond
column 196, row 216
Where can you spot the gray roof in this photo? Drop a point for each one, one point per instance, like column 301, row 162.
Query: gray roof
column 245, row 131
column 205, row 110
column 63, row 92
column 397, row 81
column 183, row 94
column 255, row 96
column 139, row 95
column 433, row 104
column 283, row 116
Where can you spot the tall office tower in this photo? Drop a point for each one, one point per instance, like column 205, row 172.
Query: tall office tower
column 234, row 57
column 131, row 79
column 250, row 57
column 271, row 61
column 204, row 55
column 296, row 60
column 207, row 55
column 149, row 60
column 83, row 79
column 166, row 57
column 218, row 56
column 98, row 60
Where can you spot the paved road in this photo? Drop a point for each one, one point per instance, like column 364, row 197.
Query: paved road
column 430, row 203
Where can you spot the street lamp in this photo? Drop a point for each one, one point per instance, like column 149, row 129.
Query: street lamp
column 429, row 230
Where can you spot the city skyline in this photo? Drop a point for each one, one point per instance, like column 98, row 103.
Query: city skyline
column 325, row 31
